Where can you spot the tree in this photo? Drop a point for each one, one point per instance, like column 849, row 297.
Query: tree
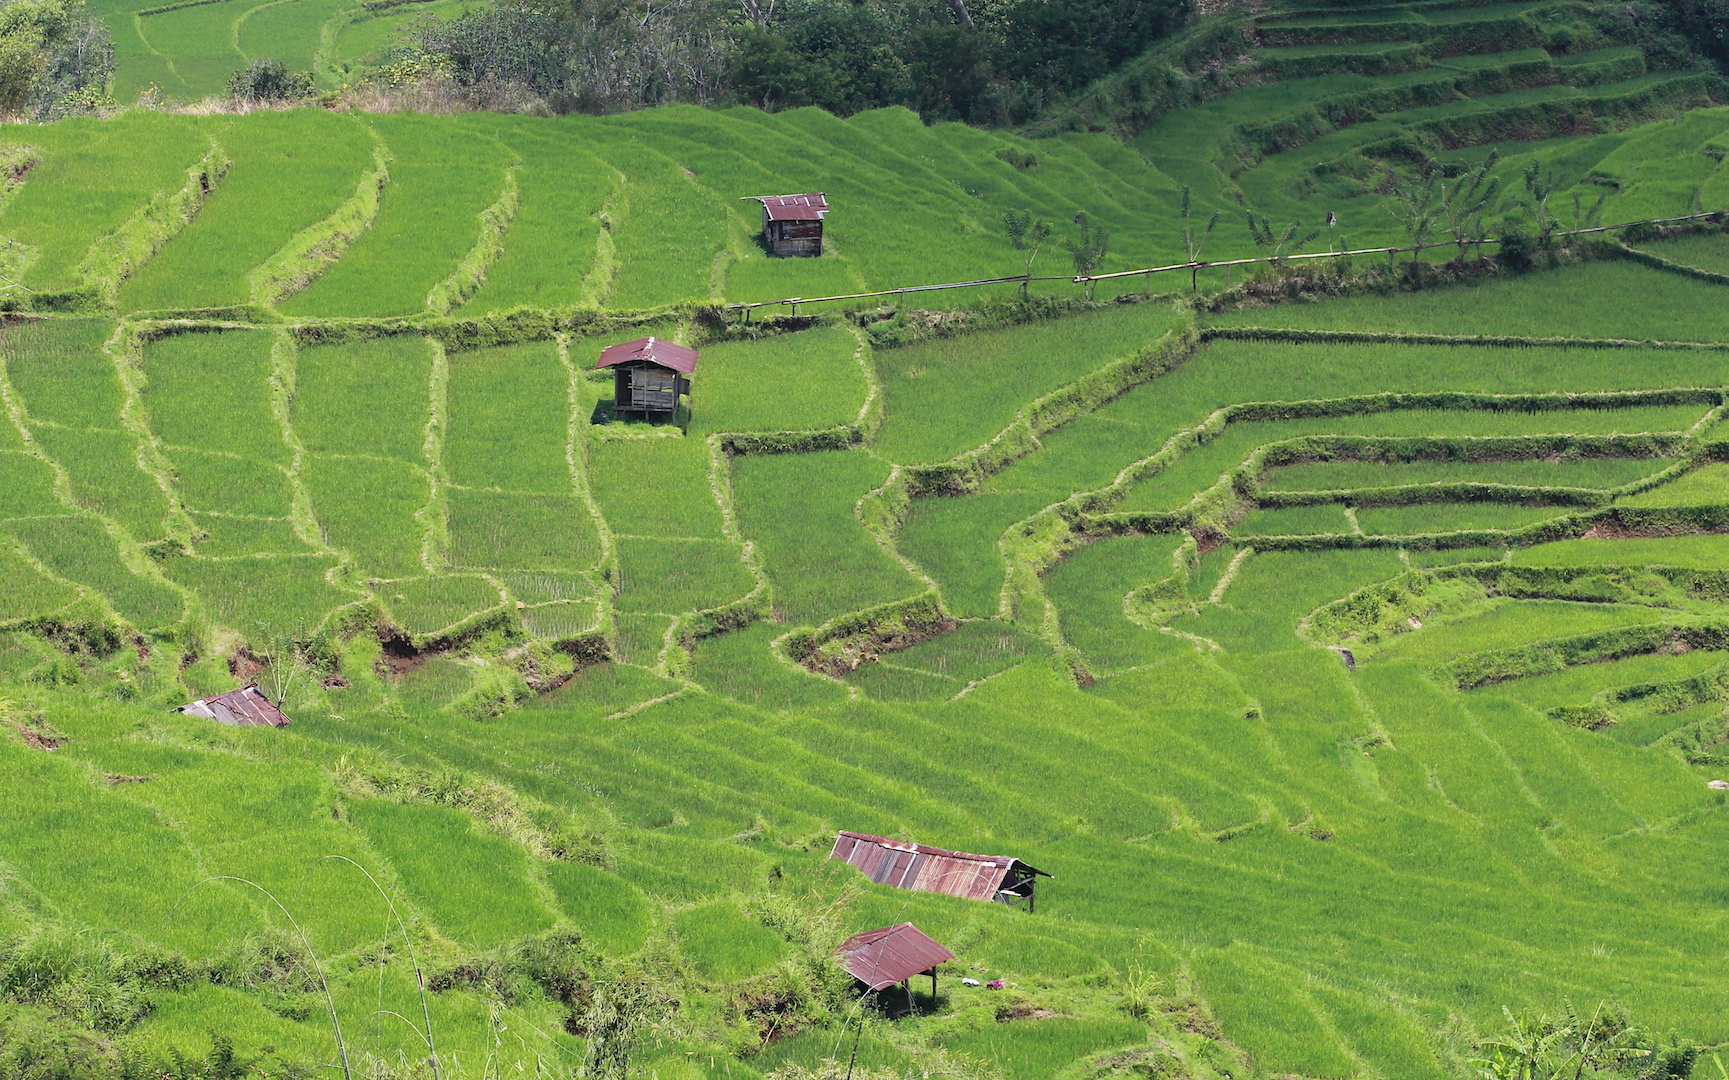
column 1464, row 201
column 49, row 50
column 1193, row 244
column 1281, row 243
column 1027, row 234
column 1088, row 250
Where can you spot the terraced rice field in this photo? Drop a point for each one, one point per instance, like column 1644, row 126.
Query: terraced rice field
column 1077, row 583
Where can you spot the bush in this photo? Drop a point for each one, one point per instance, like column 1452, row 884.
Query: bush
column 266, row 79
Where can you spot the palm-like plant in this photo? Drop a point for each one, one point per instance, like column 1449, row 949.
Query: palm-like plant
column 1419, row 207
column 1027, row 234
column 1193, row 244
column 1540, row 184
column 1464, row 201
column 1280, row 243
column 1088, row 250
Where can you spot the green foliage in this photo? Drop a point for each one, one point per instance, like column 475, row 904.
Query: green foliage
column 267, row 80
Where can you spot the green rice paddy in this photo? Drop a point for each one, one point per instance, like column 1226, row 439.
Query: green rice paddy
column 590, row 696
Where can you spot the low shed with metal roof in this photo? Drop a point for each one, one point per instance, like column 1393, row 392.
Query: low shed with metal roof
column 649, row 375
column 881, row 958
column 245, row 707
column 922, row 868
column 792, row 224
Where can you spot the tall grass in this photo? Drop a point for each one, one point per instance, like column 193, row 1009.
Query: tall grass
column 654, row 487
column 509, row 413
column 271, row 594
column 740, row 666
column 614, row 917
column 955, row 541
column 435, row 849
column 210, row 391
column 675, row 576
column 1581, row 301
column 80, row 550
column 26, row 487
column 428, row 604
column 725, row 942
column 441, row 178
column 29, row 591
column 202, row 42
column 1452, row 517
column 521, row 532
column 219, row 535
column 57, row 367
column 1089, row 588
column 1707, row 252
column 367, row 397
column 291, row 169
column 551, row 247
column 798, row 508
column 946, row 396
column 106, row 477
column 1337, row 476
column 790, row 382
column 94, row 174
column 369, row 509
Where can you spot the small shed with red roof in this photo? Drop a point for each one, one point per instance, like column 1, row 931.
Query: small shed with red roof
column 792, row 224
column 649, row 375
column 881, row 958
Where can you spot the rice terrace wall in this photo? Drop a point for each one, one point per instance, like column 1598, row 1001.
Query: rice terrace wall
column 305, row 409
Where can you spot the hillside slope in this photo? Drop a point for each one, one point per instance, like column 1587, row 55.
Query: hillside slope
column 1354, row 664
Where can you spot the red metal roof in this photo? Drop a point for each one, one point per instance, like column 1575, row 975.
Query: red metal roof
column 245, row 707
column 881, row 958
column 677, row 357
column 926, row 869
column 809, row 207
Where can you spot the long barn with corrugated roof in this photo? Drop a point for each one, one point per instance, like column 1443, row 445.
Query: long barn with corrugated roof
column 922, row 868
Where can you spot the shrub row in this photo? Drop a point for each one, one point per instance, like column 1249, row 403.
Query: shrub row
column 1381, row 610
column 1524, row 30
column 1662, row 697
column 1248, row 476
column 1309, row 122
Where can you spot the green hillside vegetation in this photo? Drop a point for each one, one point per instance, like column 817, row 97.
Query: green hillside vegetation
column 1347, row 638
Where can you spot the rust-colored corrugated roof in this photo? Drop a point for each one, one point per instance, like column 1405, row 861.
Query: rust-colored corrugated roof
column 926, row 869
column 881, row 958
column 245, row 707
column 808, row 207
column 677, row 357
